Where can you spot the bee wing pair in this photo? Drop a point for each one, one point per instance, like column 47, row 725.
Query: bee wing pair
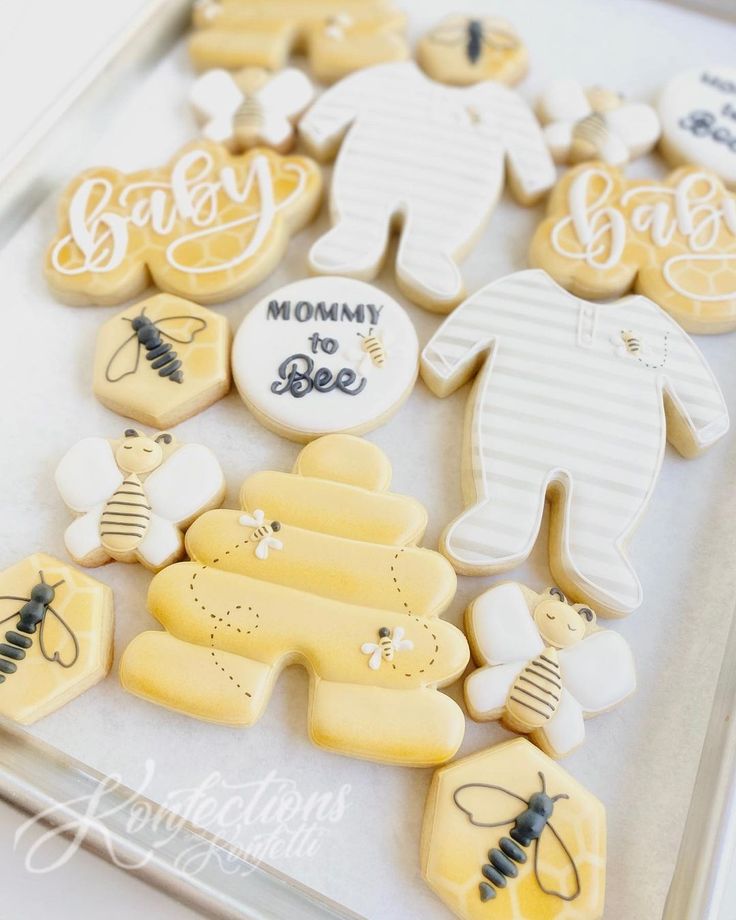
column 126, row 358
column 54, row 633
column 482, row 802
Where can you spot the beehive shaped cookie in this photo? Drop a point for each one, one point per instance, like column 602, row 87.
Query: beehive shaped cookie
column 509, row 835
column 56, row 627
column 321, row 568
column 337, row 36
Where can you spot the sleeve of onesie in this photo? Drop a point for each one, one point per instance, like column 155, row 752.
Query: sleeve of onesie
column 697, row 415
column 323, row 126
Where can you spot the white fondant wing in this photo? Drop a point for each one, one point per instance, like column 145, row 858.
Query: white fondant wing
column 87, row 474
column 503, row 627
column 637, row 125
column 286, row 94
column 163, row 541
column 599, row 672
column 564, row 100
column 185, row 483
column 566, row 729
column 487, row 688
column 82, row 536
column 215, row 95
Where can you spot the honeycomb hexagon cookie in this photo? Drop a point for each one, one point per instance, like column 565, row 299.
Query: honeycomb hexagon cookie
column 162, row 360
column 509, row 835
column 57, row 636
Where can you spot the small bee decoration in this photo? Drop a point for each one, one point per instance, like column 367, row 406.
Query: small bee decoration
column 532, row 826
column 34, row 614
column 630, row 343
column 487, row 48
column 251, row 107
column 148, row 336
column 263, row 533
column 389, row 642
column 375, row 348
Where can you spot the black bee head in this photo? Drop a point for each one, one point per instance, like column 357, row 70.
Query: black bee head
column 42, row 594
column 140, row 321
column 275, row 526
column 384, row 632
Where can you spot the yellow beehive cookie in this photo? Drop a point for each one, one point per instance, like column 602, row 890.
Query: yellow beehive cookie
column 509, row 835
column 57, row 636
column 319, row 568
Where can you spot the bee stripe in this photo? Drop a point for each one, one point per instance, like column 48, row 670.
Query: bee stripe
column 119, row 514
column 540, row 688
column 539, row 712
column 555, row 682
column 545, row 668
column 539, row 699
column 11, row 652
column 549, row 661
column 7, row 667
column 18, row 640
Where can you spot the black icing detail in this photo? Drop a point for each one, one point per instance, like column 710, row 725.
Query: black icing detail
column 147, row 335
column 298, row 377
column 131, row 433
column 704, row 124
column 555, row 592
column 529, row 825
column 587, row 614
column 165, row 437
column 384, row 632
column 304, row 311
column 33, row 616
column 275, row 526
column 474, row 44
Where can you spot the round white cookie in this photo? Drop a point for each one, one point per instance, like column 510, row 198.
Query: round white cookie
column 325, row 355
column 698, row 114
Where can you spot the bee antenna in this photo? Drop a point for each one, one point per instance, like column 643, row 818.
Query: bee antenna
column 562, row 795
column 40, row 575
column 544, row 782
column 58, row 583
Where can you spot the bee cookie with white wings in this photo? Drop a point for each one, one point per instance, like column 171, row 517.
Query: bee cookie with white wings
column 595, row 124
column 465, row 49
column 545, row 666
column 251, row 107
column 263, row 533
column 390, row 641
column 325, row 355
column 135, row 496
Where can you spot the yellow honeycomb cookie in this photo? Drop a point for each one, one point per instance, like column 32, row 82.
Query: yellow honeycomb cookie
column 509, row 835
column 319, row 568
column 57, row 636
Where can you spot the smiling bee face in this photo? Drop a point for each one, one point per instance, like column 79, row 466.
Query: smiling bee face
column 559, row 623
column 138, row 453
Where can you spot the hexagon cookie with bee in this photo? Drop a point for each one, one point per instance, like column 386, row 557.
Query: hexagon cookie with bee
column 509, row 835
column 162, row 361
column 56, row 636
column 544, row 665
column 134, row 496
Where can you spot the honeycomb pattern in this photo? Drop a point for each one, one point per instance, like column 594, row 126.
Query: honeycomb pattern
column 39, row 686
column 141, row 393
column 687, row 266
column 226, row 243
column 454, row 849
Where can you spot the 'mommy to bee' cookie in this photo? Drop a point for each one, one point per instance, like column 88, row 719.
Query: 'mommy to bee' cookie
column 207, row 226
column 337, row 36
column 162, row 360
column 698, row 113
column 544, row 665
column 135, row 496
column 464, row 49
column 57, row 630
column 429, row 157
column 324, row 355
column 319, row 567
column 568, row 404
column 509, row 835
column 673, row 240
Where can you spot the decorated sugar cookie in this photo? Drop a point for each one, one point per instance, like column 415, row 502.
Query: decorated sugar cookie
column 672, row 240
column 463, row 49
column 337, row 36
column 323, row 355
column 428, row 155
column 251, row 107
column 162, row 360
column 135, row 496
column 595, row 124
column 509, row 835
column 320, row 567
column 57, row 627
column 698, row 113
column 207, row 226
column 568, row 405
column 545, row 665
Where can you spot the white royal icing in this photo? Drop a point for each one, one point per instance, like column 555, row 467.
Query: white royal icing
column 192, row 193
column 597, row 428
column 430, row 154
column 696, row 209
column 698, row 113
column 597, row 672
column 312, row 336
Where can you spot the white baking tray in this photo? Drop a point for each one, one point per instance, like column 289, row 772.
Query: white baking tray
column 641, row 760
